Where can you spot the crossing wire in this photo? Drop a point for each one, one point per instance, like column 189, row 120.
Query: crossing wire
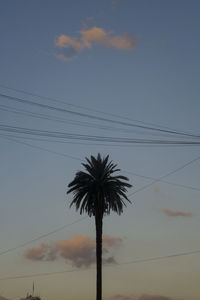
column 80, row 107
column 79, row 220
column 83, row 137
column 63, row 110
column 160, row 179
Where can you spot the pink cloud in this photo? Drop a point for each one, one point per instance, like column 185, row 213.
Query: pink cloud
column 153, row 297
column 90, row 37
column 79, row 250
column 142, row 297
column 2, row 298
column 176, row 213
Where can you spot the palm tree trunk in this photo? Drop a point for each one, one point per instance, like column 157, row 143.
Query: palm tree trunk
column 99, row 226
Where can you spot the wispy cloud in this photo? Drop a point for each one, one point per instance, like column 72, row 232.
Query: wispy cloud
column 79, row 250
column 142, row 297
column 176, row 213
column 71, row 46
column 153, row 297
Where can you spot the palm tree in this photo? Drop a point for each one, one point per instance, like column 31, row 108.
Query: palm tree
column 97, row 192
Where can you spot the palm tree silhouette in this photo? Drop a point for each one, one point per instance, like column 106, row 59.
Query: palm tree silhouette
column 97, row 192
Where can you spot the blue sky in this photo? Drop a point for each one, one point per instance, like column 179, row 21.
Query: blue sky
column 133, row 59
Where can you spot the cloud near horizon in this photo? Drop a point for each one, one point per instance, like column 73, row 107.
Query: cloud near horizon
column 176, row 213
column 79, row 250
column 153, row 297
column 142, row 297
column 71, row 46
column 3, row 298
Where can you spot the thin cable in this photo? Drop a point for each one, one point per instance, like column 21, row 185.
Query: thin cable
column 79, row 159
column 43, row 116
column 41, row 148
column 114, row 144
column 42, row 236
column 164, row 181
column 81, row 107
column 23, row 112
column 164, row 176
column 79, row 220
column 16, row 99
column 160, row 257
column 109, row 139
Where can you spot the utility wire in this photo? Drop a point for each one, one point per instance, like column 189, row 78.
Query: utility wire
column 60, row 228
column 164, row 181
column 113, row 265
column 80, row 107
column 159, row 257
column 108, row 139
column 45, row 106
column 97, row 143
column 43, row 116
column 42, row 236
column 6, row 108
column 129, row 172
column 79, row 220
column 166, row 175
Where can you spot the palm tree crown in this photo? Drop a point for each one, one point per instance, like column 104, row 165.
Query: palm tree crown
column 97, row 190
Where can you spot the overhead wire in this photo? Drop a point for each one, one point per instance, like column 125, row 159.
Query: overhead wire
column 41, row 148
column 166, row 175
column 62, row 120
column 97, row 138
column 156, row 180
column 41, row 236
column 63, row 110
column 80, row 106
column 135, row 192
column 164, row 181
column 129, row 172
column 43, row 116
column 79, row 220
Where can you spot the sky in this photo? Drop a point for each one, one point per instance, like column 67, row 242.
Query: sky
column 78, row 78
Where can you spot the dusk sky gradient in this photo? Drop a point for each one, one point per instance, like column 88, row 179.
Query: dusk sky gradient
column 137, row 60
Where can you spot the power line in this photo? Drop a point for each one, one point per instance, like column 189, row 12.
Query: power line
column 71, row 142
column 81, row 107
column 43, row 149
column 166, row 175
column 42, row 236
column 6, row 108
column 63, row 110
column 131, row 262
column 47, row 117
column 160, row 257
column 164, row 181
column 79, row 220
column 37, row 275
column 113, row 265
column 135, row 174
column 82, row 137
